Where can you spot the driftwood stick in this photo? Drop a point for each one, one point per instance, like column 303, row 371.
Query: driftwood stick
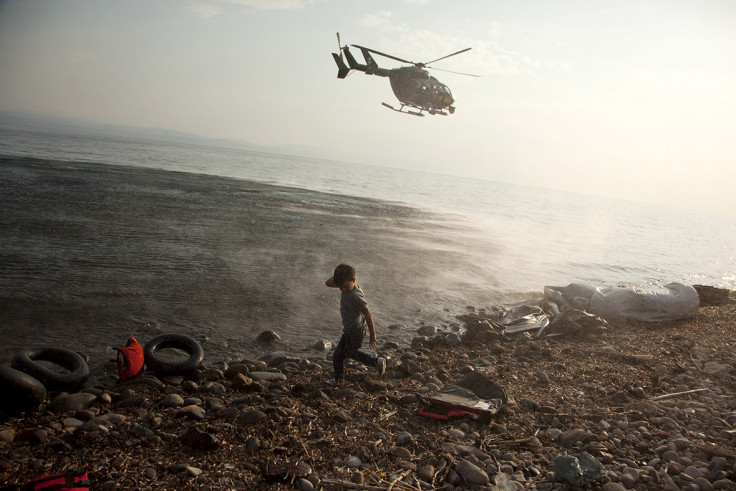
column 676, row 394
column 364, row 487
column 350, row 485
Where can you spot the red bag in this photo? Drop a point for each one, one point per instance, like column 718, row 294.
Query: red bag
column 130, row 360
column 65, row 481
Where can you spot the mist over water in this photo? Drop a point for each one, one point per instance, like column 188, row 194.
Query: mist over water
column 225, row 243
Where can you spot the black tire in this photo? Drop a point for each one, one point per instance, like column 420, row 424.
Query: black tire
column 179, row 341
column 20, row 391
column 25, row 361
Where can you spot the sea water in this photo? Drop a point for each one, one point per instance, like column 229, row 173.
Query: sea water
column 105, row 237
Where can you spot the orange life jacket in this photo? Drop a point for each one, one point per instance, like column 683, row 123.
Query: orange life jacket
column 130, row 360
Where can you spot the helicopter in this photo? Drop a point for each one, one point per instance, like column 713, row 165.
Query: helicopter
column 413, row 86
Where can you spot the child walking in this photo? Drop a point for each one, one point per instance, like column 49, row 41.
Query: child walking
column 355, row 318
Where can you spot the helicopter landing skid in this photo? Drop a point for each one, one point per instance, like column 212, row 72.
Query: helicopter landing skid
column 413, row 113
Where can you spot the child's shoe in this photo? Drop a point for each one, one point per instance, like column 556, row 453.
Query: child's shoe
column 381, row 366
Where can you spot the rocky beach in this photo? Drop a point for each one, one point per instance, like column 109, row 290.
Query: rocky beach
column 645, row 406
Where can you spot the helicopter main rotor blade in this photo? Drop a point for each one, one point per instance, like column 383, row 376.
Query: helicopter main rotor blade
column 384, row 54
column 339, row 46
column 450, row 71
column 457, row 53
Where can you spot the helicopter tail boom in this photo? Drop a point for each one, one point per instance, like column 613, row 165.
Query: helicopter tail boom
column 342, row 69
column 369, row 68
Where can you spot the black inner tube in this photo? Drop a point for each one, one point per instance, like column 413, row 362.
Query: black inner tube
column 27, row 361
column 179, row 341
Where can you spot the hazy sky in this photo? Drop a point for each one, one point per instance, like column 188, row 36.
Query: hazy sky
column 633, row 99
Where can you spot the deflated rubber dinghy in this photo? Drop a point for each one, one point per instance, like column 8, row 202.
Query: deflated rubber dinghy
column 673, row 301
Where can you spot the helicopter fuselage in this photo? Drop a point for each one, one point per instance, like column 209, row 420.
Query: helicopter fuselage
column 415, row 87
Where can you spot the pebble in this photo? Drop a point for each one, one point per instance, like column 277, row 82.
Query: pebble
column 249, row 418
column 353, row 462
column 403, row 438
column 172, row 400
column 471, row 472
column 401, row 452
column 304, row 485
column 71, row 402
column 570, row 437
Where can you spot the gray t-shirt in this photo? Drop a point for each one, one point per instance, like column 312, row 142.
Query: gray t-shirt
column 350, row 305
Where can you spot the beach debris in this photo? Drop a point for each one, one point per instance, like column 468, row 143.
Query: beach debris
column 673, row 301
column 285, row 471
column 574, row 321
column 173, row 343
column 21, row 390
column 524, row 318
column 474, row 396
column 578, row 469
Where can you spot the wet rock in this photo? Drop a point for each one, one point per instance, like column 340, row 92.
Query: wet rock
column 72, row 422
column 403, row 438
column 267, row 337
column 172, row 400
column 252, row 444
column 72, row 402
column 322, row 345
column 100, row 422
column 7, row 435
column 249, row 418
column 143, row 382
column 453, row 339
column 471, row 472
column 267, row 376
column 401, row 452
column 374, row 386
column 304, row 484
column 235, row 370
column 254, row 365
column 241, row 382
column 278, row 358
column 427, row 331
column 192, row 412
column 426, row 473
column 570, row 437
column 211, row 374
column 191, row 470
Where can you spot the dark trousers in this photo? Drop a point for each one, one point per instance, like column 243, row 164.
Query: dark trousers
column 349, row 347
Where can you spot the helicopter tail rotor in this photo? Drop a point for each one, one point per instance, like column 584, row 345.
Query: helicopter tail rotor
column 342, row 69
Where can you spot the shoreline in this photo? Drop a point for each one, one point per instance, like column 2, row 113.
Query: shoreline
column 653, row 403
